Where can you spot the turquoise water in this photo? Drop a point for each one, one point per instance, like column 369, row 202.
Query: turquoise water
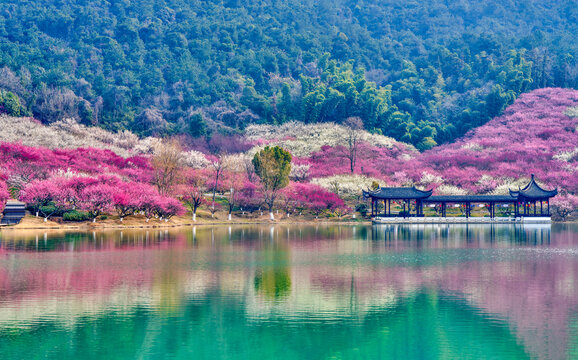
column 298, row 292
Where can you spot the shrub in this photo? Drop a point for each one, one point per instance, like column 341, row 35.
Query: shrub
column 362, row 209
column 75, row 215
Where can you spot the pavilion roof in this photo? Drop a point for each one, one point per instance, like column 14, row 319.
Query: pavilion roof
column 471, row 198
column 533, row 191
column 394, row 193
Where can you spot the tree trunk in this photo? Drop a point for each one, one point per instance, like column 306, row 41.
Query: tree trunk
column 271, row 216
column 45, row 219
column 194, row 217
column 229, row 216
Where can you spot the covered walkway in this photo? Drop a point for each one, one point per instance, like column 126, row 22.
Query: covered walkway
column 530, row 201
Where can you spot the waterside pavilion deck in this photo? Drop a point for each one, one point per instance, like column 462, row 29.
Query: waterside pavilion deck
column 530, row 204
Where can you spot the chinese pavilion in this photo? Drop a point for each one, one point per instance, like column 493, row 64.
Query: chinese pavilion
column 412, row 201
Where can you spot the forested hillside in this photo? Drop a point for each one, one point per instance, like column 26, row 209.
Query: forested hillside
column 423, row 72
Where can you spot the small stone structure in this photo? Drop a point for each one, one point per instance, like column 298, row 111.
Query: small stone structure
column 13, row 212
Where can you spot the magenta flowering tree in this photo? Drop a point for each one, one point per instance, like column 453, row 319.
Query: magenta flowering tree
column 97, row 199
column 233, row 182
column 341, row 210
column 192, row 193
column 249, row 197
column 315, row 198
column 124, row 204
column 127, row 198
column 44, row 197
column 564, row 205
column 149, row 206
column 168, row 207
column 4, row 195
column 288, row 199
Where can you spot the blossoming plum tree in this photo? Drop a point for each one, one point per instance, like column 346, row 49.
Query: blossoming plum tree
column 4, row 195
column 97, row 199
column 127, row 197
column 192, row 192
column 44, row 197
column 250, row 198
column 564, row 205
column 167, row 207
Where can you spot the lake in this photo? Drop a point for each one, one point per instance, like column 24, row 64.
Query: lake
column 291, row 292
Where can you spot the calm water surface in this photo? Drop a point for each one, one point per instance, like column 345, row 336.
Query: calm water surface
column 299, row 292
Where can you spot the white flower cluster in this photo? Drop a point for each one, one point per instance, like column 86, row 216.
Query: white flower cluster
column 347, row 186
column 446, row 189
column 69, row 134
column 473, row 146
column 67, row 174
column 566, row 156
column 429, row 178
column 572, row 111
column 506, row 184
column 299, row 172
column 304, row 139
column 195, row 159
column 236, row 162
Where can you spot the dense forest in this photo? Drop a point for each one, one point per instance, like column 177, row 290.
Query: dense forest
column 423, row 72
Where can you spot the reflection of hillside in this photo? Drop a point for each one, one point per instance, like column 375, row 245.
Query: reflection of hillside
column 342, row 274
column 414, row 236
column 425, row 325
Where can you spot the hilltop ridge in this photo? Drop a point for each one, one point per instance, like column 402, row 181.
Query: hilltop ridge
column 422, row 74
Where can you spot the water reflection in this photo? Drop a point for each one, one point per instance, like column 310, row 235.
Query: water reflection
column 413, row 236
column 422, row 291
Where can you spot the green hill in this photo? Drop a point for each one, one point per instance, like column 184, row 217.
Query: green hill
column 423, row 72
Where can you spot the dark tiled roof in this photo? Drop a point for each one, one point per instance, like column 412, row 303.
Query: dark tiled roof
column 533, row 191
column 398, row 193
column 471, row 198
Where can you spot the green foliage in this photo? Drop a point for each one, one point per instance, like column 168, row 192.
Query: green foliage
column 10, row 104
column 196, row 125
column 154, row 67
column 75, row 215
column 362, row 209
column 273, row 165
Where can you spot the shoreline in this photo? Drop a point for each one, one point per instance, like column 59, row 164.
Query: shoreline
column 33, row 223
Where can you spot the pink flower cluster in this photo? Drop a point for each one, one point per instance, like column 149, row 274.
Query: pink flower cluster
column 33, row 163
column 4, row 195
column 372, row 161
column 525, row 140
column 97, row 196
column 533, row 136
column 305, row 196
column 528, row 138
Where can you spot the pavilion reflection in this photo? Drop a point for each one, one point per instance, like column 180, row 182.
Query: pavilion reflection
column 480, row 235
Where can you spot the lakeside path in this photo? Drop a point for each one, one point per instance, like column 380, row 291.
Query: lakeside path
column 139, row 222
